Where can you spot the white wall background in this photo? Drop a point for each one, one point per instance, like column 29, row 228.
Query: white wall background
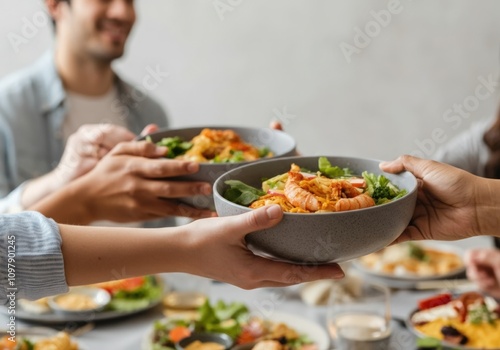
column 263, row 59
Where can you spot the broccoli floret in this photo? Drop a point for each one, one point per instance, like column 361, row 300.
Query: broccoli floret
column 382, row 192
column 381, row 189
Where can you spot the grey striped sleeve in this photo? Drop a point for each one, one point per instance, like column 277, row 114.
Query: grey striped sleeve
column 31, row 261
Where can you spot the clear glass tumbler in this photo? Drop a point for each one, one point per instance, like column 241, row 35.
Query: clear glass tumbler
column 358, row 317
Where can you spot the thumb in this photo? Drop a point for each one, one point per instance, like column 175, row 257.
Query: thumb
column 257, row 219
column 404, row 162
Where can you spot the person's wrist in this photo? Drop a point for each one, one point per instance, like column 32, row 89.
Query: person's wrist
column 487, row 207
column 80, row 200
column 61, row 176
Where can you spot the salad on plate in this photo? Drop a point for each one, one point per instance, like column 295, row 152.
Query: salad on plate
column 233, row 319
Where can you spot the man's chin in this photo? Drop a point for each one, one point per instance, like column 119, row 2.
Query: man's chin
column 108, row 55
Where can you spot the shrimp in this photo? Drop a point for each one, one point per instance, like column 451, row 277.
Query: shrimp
column 348, row 189
column 298, row 196
column 358, row 202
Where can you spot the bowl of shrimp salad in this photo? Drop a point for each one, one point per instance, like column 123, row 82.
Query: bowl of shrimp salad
column 335, row 208
column 219, row 149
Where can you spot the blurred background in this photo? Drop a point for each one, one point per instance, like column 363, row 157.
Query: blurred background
column 366, row 78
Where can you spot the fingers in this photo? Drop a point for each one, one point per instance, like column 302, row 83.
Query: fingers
column 149, row 129
column 172, row 189
column 276, row 125
column 160, row 208
column 483, row 267
column 162, row 169
column 484, row 256
column 105, row 135
column 140, row 149
column 409, row 234
column 275, row 273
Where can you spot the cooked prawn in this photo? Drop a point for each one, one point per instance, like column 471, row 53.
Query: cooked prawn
column 298, row 196
column 348, row 189
column 358, row 202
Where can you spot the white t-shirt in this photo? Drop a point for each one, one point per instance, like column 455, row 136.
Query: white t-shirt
column 94, row 110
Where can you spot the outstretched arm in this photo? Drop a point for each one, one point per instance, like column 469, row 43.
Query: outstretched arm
column 213, row 247
column 452, row 204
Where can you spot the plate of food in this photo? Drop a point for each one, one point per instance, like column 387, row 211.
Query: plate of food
column 126, row 297
column 219, row 149
column 469, row 321
column 412, row 262
column 244, row 327
column 38, row 338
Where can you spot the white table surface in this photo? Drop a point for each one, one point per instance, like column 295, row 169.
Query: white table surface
column 128, row 333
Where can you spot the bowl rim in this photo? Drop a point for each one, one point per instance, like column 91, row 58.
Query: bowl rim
column 220, row 197
column 293, row 142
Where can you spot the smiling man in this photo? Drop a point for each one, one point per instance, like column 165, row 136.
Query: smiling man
column 67, row 89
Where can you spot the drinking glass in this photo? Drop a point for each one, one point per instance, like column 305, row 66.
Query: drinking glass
column 358, row 316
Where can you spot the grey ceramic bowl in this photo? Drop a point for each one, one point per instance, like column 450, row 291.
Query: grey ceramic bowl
column 279, row 142
column 324, row 237
column 223, row 339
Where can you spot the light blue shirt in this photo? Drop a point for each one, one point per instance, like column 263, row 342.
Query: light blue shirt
column 32, row 111
column 31, row 259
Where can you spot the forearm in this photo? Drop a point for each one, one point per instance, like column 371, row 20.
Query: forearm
column 488, row 207
column 68, row 205
column 37, row 189
column 96, row 254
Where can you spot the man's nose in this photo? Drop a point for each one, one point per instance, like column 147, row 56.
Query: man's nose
column 121, row 10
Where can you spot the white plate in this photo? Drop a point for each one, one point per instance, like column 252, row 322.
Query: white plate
column 409, row 281
column 35, row 334
column 313, row 330
column 55, row 318
column 51, row 317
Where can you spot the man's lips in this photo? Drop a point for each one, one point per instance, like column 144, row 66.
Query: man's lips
column 115, row 33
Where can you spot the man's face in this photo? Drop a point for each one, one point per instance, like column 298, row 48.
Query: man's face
column 97, row 28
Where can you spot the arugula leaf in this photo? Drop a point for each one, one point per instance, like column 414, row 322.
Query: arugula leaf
column 241, row 193
column 221, row 317
column 176, row 146
column 333, row 172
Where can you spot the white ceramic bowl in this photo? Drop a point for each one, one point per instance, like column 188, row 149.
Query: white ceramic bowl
column 222, row 339
column 326, row 237
column 78, row 300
